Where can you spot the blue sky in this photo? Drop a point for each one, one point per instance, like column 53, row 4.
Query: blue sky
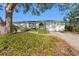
column 50, row 14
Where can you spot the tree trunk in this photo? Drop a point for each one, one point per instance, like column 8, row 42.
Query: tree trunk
column 9, row 12
column 9, row 22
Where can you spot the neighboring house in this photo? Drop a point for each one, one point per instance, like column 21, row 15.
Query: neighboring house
column 50, row 25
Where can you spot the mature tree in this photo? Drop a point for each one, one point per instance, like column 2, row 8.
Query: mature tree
column 71, row 15
column 9, row 8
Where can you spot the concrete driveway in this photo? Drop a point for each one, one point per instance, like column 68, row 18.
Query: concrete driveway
column 71, row 38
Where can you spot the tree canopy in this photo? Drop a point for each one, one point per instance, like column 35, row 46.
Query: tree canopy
column 34, row 8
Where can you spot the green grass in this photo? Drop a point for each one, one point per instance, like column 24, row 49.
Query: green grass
column 41, row 31
column 29, row 44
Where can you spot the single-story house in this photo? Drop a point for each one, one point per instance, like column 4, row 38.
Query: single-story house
column 50, row 25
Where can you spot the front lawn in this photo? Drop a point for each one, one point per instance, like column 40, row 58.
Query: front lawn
column 40, row 31
column 33, row 44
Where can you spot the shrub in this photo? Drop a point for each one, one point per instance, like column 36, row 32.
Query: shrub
column 69, row 28
column 77, row 29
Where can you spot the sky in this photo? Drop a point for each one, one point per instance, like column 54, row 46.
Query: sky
column 50, row 14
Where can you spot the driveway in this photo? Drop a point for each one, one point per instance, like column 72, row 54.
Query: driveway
column 71, row 38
